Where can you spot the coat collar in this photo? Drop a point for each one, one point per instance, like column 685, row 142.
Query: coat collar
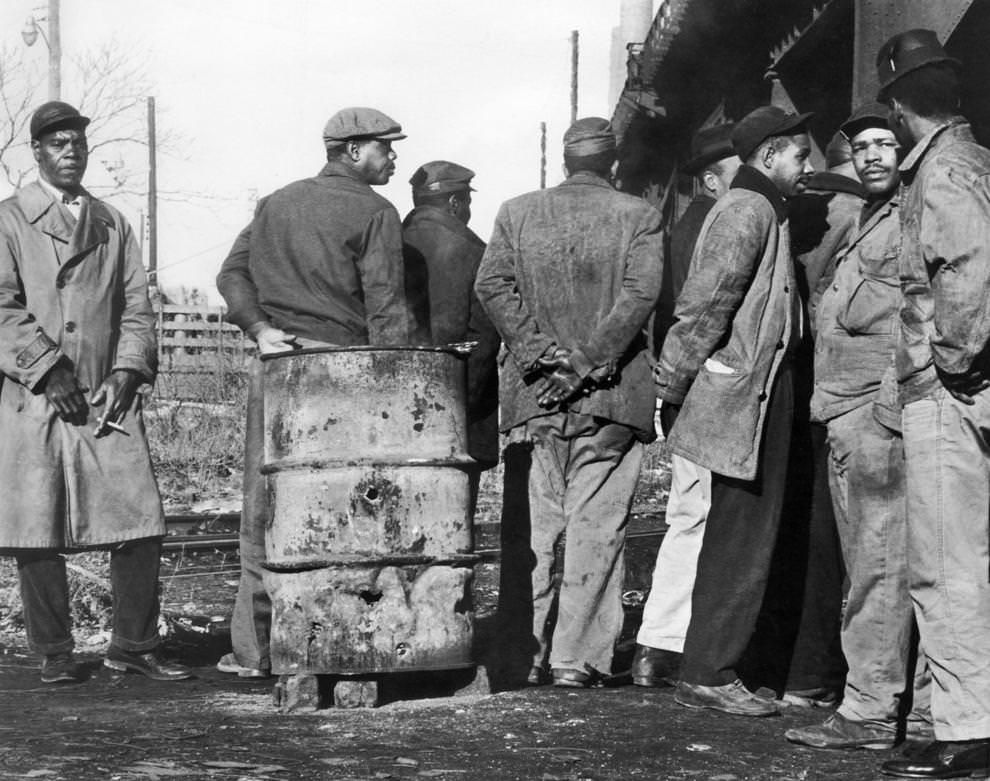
column 445, row 219
column 873, row 212
column 586, row 177
column 43, row 211
column 932, row 138
column 748, row 178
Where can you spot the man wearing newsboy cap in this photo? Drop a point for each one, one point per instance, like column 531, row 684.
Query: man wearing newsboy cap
column 569, row 278
column 727, row 360
column 77, row 339
column 320, row 264
column 943, row 373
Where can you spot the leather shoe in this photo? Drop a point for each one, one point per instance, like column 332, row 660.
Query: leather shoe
column 839, row 732
column 59, row 668
column 575, row 679
column 655, row 667
column 148, row 664
column 944, row 759
column 821, row 697
column 538, row 676
column 731, row 698
column 228, row 664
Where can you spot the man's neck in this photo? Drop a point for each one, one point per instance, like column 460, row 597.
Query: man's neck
column 61, row 192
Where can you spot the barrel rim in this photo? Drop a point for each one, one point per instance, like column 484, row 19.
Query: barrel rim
column 456, row 350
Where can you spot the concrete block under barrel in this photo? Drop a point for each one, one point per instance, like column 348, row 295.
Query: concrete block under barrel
column 369, row 544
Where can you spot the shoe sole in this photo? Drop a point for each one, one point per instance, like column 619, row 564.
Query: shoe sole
column 563, row 683
column 724, row 709
column 653, row 683
column 242, row 672
column 123, row 667
column 879, row 745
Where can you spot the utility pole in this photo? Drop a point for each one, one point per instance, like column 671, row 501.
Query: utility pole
column 54, row 51
column 152, row 196
column 574, row 75
column 543, row 155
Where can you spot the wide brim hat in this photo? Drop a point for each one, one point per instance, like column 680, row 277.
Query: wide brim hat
column 908, row 51
column 709, row 145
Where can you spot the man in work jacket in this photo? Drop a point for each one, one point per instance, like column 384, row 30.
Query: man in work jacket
column 569, row 279
column 320, row 264
column 725, row 360
column 943, row 371
column 75, row 466
column 856, row 336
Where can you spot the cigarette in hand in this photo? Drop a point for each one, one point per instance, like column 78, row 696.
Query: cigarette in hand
column 110, row 424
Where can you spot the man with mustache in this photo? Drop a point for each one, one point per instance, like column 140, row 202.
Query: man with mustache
column 320, row 264
column 727, row 360
column 855, row 344
column 77, row 339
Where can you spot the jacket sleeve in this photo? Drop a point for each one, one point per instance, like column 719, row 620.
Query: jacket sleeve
column 634, row 303
column 953, row 233
column 137, row 345
column 722, row 269
column 482, row 362
column 27, row 353
column 381, row 269
column 498, row 291
column 236, row 284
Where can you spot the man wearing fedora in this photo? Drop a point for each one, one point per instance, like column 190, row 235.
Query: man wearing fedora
column 943, row 372
column 77, row 339
column 320, row 264
column 667, row 611
column 727, row 361
column 569, row 278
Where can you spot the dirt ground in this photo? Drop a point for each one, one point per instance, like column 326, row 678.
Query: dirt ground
column 217, row 726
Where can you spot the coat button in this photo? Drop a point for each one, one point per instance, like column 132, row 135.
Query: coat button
column 763, row 396
column 780, row 345
column 60, row 283
column 70, row 327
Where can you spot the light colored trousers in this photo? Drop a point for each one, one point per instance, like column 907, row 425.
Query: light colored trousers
column 581, row 482
column 866, row 479
column 667, row 612
column 947, row 447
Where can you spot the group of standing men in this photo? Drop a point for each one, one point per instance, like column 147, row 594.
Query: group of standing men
column 896, row 297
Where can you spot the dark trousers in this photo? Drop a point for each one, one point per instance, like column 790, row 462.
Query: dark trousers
column 734, row 563
column 134, row 588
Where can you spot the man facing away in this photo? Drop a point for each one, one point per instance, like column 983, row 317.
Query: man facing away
column 320, row 265
column 943, row 374
column 726, row 359
column 569, row 279
column 855, row 344
column 667, row 611
column 76, row 470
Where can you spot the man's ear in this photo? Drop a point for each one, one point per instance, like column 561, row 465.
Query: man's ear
column 453, row 201
column 710, row 182
column 36, row 149
column 353, row 150
column 766, row 157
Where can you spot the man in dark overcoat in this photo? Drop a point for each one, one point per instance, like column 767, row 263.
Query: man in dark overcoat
column 569, row 278
column 77, row 339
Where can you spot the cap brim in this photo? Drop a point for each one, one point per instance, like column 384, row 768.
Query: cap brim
column 67, row 123
column 696, row 164
column 791, row 123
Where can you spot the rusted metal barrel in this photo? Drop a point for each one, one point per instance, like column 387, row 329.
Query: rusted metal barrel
column 369, row 547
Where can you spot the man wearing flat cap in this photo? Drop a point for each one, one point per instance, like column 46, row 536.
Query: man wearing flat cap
column 856, row 338
column 320, row 265
column 667, row 611
column 438, row 242
column 569, row 279
column 726, row 359
column 77, row 339
column 943, row 373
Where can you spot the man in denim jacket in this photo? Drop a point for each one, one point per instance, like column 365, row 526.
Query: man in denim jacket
column 944, row 375
column 725, row 360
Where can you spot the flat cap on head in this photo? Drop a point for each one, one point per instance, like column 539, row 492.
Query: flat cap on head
column 709, row 145
column 908, row 51
column 870, row 114
column 358, row 123
column 56, row 115
column 589, row 136
column 763, row 123
column 440, row 176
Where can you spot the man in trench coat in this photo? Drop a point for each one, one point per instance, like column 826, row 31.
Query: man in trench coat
column 76, row 340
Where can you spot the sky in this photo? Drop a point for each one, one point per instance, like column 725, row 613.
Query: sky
column 247, row 85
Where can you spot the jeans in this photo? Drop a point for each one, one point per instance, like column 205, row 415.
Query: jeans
column 667, row 612
column 134, row 590
column 947, row 450
column 582, row 479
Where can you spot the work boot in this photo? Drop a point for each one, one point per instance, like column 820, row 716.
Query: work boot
column 655, row 667
column 944, row 759
column 839, row 732
column 148, row 663
column 731, row 698
column 59, row 668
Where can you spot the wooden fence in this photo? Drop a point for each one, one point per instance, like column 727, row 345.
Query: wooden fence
column 200, row 354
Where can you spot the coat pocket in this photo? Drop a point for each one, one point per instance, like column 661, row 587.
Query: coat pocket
column 872, row 308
